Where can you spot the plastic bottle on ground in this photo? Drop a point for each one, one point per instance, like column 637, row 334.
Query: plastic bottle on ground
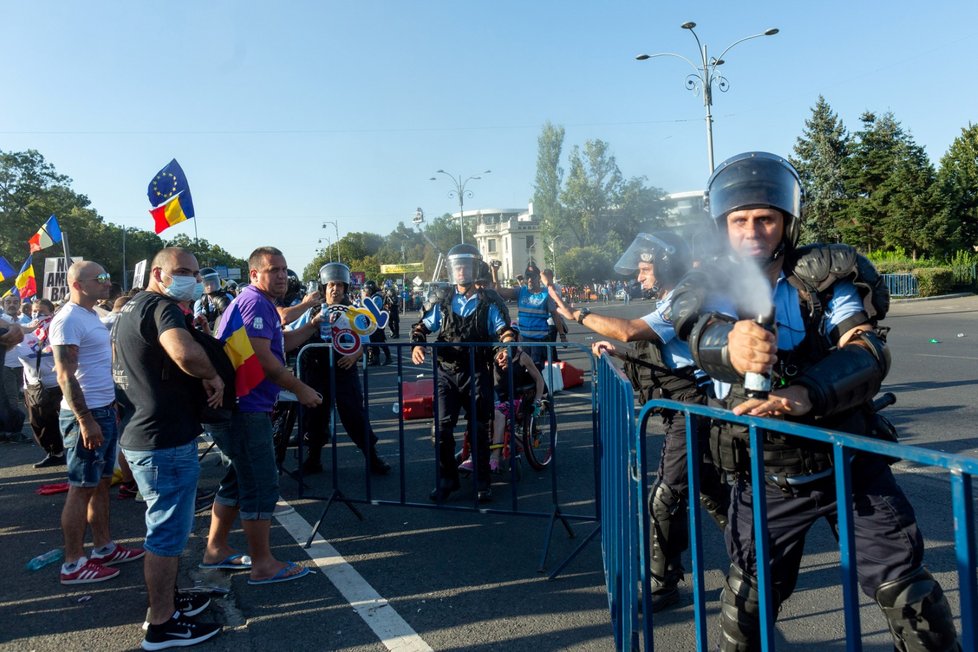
column 50, row 557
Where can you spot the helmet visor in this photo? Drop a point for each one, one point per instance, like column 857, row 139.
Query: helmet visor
column 212, row 282
column 463, row 269
column 758, row 180
column 643, row 249
column 335, row 273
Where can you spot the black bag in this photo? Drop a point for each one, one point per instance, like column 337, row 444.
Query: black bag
column 214, row 349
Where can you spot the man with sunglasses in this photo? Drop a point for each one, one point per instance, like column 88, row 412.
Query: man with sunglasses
column 83, row 364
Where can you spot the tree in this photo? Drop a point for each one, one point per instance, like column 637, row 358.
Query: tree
column 591, row 192
column 582, row 265
column 957, row 193
column 550, row 176
column 907, row 201
column 820, row 153
column 874, row 154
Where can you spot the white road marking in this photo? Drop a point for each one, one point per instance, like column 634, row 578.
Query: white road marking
column 392, row 630
column 953, row 357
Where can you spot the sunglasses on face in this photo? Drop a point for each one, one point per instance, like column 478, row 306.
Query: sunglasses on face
column 104, row 277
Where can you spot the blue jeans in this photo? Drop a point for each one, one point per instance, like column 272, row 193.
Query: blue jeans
column 251, row 482
column 86, row 468
column 167, row 479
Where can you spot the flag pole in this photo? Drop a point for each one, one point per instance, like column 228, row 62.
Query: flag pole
column 64, row 246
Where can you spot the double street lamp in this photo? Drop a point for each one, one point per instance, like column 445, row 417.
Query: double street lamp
column 336, row 229
column 705, row 76
column 461, row 193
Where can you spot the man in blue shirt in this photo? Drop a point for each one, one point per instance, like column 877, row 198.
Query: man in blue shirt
column 822, row 366
column 535, row 308
column 464, row 314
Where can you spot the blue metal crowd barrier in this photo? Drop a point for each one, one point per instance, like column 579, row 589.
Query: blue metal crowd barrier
column 622, row 555
column 961, row 471
column 556, row 513
column 901, row 285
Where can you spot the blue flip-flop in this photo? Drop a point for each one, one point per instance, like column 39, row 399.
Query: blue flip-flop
column 237, row 561
column 282, row 575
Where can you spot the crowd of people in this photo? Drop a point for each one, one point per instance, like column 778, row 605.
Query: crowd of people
column 801, row 344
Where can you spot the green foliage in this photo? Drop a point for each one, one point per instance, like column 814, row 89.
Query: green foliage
column 31, row 191
column 550, row 176
column 580, row 265
column 956, row 191
column 820, row 154
column 934, row 281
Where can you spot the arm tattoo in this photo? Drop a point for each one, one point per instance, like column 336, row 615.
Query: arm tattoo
column 66, row 363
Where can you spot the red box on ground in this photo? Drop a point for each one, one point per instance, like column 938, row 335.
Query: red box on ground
column 418, row 399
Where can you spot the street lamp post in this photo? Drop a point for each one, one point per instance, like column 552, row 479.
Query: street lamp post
column 461, row 193
column 553, row 253
column 705, row 76
column 336, row 229
column 329, row 247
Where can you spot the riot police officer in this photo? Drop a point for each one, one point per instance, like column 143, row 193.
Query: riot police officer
column 665, row 370
column 215, row 299
column 826, row 361
column 334, row 280
column 379, row 337
column 464, row 313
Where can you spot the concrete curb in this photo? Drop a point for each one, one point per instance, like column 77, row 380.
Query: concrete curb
column 942, row 296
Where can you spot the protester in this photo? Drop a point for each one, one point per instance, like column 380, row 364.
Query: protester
column 83, row 363
column 158, row 365
column 42, row 395
column 535, row 308
column 334, row 279
column 826, row 362
column 11, row 375
column 251, row 485
column 464, row 313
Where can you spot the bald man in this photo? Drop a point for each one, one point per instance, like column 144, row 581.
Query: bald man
column 83, row 365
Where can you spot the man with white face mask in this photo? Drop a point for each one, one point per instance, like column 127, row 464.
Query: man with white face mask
column 165, row 374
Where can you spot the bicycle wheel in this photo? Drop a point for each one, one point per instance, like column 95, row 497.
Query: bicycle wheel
column 536, row 437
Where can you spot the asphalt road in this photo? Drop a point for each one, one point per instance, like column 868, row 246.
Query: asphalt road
column 411, row 578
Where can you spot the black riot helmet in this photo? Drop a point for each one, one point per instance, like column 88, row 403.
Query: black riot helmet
column 463, row 264
column 483, row 274
column 370, row 287
column 757, row 180
column 666, row 251
column 334, row 273
column 294, row 291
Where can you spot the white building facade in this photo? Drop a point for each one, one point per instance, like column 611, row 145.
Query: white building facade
column 509, row 235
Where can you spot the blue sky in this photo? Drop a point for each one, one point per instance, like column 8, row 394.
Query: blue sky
column 284, row 115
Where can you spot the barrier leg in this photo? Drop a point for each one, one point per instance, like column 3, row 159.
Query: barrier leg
column 336, row 495
column 550, row 529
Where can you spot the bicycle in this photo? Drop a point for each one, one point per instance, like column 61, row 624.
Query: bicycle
column 536, row 430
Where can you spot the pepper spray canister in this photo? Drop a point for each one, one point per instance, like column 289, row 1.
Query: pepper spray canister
column 757, row 385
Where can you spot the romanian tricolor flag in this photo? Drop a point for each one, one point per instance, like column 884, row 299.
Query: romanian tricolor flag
column 25, row 283
column 248, row 373
column 46, row 236
column 169, row 193
column 6, row 270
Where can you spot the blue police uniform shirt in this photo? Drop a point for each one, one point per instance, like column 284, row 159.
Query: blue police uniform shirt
column 675, row 353
column 463, row 307
column 845, row 303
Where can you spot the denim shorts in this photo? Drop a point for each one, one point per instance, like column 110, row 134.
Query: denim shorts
column 86, row 468
column 167, row 479
column 251, row 482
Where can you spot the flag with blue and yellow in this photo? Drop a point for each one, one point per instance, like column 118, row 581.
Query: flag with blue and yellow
column 25, row 283
column 169, row 193
column 6, row 270
column 248, row 372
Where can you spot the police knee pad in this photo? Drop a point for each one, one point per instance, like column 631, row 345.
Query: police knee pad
column 664, row 502
column 717, row 509
column 918, row 613
column 740, row 611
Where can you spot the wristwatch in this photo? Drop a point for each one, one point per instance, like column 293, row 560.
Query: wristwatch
column 581, row 314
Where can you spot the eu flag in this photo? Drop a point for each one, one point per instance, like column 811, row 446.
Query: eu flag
column 169, row 182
